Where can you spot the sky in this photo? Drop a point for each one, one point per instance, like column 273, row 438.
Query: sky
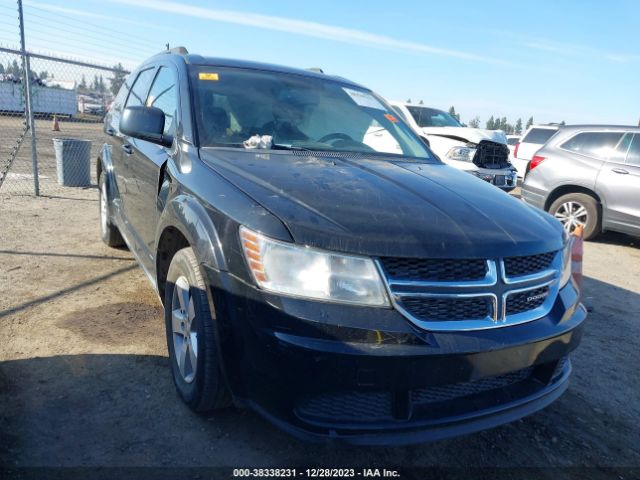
column 573, row 61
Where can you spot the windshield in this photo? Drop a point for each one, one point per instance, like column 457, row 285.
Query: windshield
column 430, row 117
column 298, row 112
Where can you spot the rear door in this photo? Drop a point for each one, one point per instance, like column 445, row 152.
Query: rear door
column 147, row 160
column 533, row 141
column 619, row 182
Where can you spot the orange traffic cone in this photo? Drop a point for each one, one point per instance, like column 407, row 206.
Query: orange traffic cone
column 56, row 126
column 576, row 254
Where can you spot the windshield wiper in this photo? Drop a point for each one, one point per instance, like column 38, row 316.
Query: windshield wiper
column 284, row 146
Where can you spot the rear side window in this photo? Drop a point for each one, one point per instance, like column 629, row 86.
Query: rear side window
column 163, row 95
column 512, row 141
column 539, row 135
column 633, row 157
column 595, row 144
column 140, row 88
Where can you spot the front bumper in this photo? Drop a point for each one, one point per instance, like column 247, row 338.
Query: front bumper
column 506, row 180
column 367, row 376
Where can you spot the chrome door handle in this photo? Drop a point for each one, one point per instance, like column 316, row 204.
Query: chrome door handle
column 620, row 170
column 127, row 149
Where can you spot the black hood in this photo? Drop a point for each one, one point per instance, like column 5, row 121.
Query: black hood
column 381, row 207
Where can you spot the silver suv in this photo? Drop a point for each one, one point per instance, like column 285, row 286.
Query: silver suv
column 588, row 175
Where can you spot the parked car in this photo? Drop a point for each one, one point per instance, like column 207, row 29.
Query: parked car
column 589, row 175
column 532, row 140
column 342, row 292
column 483, row 153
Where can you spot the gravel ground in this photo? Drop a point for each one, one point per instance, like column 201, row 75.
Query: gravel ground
column 84, row 380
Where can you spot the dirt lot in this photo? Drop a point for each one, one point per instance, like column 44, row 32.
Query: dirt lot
column 84, row 380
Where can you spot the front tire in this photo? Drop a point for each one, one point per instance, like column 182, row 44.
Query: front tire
column 191, row 339
column 576, row 209
column 108, row 231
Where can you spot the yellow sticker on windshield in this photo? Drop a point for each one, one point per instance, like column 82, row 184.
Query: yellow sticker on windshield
column 207, row 76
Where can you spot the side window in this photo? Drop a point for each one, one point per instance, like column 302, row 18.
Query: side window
column 140, row 88
column 595, row 144
column 620, row 153
column 164, row 95
column 633, row 157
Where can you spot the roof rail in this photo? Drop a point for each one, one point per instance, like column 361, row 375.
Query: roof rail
column 315, row 69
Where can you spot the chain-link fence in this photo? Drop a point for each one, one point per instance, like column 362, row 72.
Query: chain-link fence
column 51, row 118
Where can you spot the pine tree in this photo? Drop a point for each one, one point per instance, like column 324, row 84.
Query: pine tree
column 1, row 69
column 529, row 122
column 16, row 71
column 83, row 83
column 118, row 79
column 518, row 128
column 491, row 125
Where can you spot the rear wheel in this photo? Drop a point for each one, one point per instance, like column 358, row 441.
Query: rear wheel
column 108, row 231
column 578, row 209
column 191, row 340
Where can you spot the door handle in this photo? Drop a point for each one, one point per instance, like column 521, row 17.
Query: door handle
column 127, row 149
column 110, row 131
column 620, row 170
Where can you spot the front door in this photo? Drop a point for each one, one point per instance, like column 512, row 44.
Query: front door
column 146, row 162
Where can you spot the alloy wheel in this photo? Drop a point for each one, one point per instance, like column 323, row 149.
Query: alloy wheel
column 184, row 329
column 104, row 214
column 571, row 215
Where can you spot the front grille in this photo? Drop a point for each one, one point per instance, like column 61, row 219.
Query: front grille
column 350, row 406
column 518, row 266
column 446, row 270
column 491, row 155
column 447, row 309
column 471, row 294
column 442, row 393
column 525, row 301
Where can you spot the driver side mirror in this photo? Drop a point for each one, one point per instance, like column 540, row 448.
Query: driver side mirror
column 145, row 123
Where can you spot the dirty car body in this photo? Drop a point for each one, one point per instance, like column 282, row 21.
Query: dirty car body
column 356, row 295
column 483, row 153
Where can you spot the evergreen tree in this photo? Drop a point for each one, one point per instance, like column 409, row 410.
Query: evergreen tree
column 491, row 125
column 474, row 122
column 118, row 79
column 16, row 71
column 529, row 122
column 1, row 69
column 83, row 83
column 518, row 128
column 452, row 112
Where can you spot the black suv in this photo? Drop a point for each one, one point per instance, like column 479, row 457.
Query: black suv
column 341, row 291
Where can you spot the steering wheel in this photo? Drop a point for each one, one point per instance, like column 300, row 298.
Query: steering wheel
column 335, row 136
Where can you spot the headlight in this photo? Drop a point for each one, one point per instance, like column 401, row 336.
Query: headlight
column 290, row 269
column 566, row 259
column 462, row 154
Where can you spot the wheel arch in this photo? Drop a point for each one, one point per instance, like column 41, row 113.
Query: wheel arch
column 184, row 222
column 566, row 189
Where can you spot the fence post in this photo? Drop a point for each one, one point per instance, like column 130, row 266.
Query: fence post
column 26, row 67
